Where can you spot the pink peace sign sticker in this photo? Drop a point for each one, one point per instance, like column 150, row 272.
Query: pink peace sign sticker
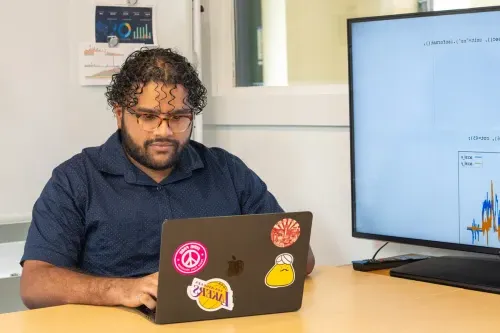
column 190, row 258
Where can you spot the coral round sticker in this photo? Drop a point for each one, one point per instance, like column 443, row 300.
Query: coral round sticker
column 285, row 232
column 190, row 258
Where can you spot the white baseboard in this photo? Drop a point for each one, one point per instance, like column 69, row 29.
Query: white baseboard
column 15, row 218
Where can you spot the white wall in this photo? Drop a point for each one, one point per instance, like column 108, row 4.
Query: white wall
column 457, row 4
column 306, row 168
column 46, row 115
column 451, row 4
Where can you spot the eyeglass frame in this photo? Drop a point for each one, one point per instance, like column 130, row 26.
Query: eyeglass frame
column 189, row 115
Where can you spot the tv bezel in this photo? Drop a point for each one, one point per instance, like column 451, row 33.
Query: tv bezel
column 388, row 238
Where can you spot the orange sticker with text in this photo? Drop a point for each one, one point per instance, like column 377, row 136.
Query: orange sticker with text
column 285, row 232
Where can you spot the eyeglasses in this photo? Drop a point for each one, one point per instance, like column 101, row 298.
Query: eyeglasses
column 178, row 122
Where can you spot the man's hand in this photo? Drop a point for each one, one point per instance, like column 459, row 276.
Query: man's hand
column 43, row 284
column 136, row 292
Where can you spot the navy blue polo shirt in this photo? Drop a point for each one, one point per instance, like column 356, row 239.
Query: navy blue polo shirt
column 102, row 215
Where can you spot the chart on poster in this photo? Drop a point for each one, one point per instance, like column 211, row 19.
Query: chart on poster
column 130, row 24
column 98, row 63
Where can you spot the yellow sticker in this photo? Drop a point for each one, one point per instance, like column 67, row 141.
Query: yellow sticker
column 211, row 295
column 282, row 273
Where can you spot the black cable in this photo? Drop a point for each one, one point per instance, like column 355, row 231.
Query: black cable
column 373, row 258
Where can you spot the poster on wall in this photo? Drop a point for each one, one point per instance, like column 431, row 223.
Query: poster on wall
column 132, row 25
column 98, row 63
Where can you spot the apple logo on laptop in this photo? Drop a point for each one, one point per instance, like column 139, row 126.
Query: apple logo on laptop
column 235, row 267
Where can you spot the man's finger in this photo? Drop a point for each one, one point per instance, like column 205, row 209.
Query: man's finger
column 151, row 289
column 148, row 301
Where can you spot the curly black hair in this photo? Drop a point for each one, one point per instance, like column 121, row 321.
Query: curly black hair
column 159, row 65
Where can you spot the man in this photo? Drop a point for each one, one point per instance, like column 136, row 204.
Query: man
column 95, row 234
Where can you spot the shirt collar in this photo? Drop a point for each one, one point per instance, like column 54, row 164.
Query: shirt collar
column 113, row 160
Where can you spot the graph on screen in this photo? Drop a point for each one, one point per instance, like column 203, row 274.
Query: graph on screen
column 478, row 177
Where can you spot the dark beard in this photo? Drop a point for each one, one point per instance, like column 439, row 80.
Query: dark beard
column 140, row 154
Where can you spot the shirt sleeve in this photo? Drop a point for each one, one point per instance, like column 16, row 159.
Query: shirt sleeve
column 253, row 193
column 56, row 231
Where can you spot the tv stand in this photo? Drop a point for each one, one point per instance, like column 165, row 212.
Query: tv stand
column 482, row 274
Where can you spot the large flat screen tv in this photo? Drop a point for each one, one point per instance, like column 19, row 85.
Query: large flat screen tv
column 425, row 128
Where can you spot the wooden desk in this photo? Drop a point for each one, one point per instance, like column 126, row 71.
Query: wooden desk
column 336, row 299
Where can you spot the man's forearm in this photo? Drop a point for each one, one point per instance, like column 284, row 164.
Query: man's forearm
column 50, row 286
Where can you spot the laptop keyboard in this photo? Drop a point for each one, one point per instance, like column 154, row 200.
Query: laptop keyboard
column 147, row 312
